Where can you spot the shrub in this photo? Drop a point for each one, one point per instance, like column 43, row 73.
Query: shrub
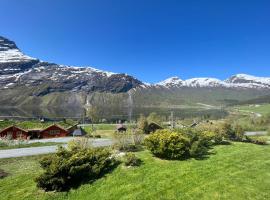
column 169, row 145
column 70, row 168
column 80, row 143
column 143, row 124
column 256, row 140
column 122, row 141
column 137, row 137
column 130, row 159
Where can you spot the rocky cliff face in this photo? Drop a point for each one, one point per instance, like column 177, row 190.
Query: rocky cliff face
column 27, row 81
column 18, row 69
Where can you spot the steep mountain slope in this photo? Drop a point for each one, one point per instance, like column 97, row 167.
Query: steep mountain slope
column 17, row 69
column 27, row 82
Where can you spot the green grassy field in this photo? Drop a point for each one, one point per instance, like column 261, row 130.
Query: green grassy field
column 36, row 144
column 262, row 109
column 237, row 171
column 104, row 130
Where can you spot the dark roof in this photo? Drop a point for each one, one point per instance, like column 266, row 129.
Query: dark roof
column 120, row 126
column 78, row 132
column 153, row 124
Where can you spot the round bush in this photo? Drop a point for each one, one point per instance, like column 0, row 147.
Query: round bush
column 168, row 145
column 132, row 160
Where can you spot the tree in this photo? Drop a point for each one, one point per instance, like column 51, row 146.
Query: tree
column 143, row 124
column 93, row 114
column 154, row 117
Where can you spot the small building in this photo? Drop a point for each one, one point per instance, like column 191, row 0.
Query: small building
column 152, row 127
column 14, row 132
column 71, row 129
column 54, row 131
column 121, row 128
column 78, row 132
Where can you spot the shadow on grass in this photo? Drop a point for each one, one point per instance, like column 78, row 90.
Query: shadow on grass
column 224, row 143
column 130, row 148
column 82, row 179
column 204, row 155
column 3, row 174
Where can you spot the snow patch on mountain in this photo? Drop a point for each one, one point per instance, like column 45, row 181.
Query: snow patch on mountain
column 13, row 55
column 236, row 81
column 171, row 82
column 203, row 82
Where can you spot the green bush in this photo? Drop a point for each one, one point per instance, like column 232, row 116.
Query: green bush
column 256, row 140
column 70, row 168
column 168, row 144
column 130, row 159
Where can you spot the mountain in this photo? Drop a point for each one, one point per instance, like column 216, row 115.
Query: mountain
column 237, row 81
column 32, row 84
column 18, row 69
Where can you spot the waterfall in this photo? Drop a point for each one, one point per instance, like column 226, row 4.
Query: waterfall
column 130, row 105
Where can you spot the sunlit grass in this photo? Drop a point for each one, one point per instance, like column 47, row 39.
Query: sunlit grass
column 237, row 171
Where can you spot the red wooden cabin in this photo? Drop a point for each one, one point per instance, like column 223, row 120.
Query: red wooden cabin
column 53, row 131
column 14, row 132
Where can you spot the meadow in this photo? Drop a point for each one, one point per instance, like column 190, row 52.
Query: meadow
column 236, row 171
column 262, row 109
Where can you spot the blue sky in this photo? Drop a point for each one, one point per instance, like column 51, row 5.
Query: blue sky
column 150, row 39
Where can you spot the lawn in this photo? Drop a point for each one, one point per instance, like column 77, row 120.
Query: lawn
column 104, row 130
column 237, row 171
column 262, row 109
column 36, row 144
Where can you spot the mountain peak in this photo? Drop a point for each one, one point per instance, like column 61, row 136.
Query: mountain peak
column 6, row 44
column 12, row 60
column 174, row 81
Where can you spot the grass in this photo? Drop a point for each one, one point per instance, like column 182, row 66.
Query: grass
column 237, row 171
column 262, row 109
column 36, row 144
column 34, row 124
column 104, row 130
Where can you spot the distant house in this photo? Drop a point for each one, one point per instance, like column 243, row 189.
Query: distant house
column 121, row 128
column 71, row 129
column 14, row 132
column 152, row 127
column 78, row 132
column 53, row 131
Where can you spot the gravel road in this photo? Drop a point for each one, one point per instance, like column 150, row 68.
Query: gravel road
column 11, row 153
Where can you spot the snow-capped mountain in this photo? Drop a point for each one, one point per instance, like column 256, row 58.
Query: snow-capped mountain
column 171, row 82
column 18, row 69
column 236, row 81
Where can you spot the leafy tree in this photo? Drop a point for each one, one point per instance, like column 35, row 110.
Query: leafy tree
column 143, row 124
column 93, row 113
column 154, row 117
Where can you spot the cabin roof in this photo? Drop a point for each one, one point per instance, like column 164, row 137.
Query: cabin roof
column 35, row 125
column 12, row 127
column 56, row 125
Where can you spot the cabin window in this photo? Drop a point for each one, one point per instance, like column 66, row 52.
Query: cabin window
column 54, row 132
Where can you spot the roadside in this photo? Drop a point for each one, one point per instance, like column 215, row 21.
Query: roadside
column 20, row 152
column 27, row 145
